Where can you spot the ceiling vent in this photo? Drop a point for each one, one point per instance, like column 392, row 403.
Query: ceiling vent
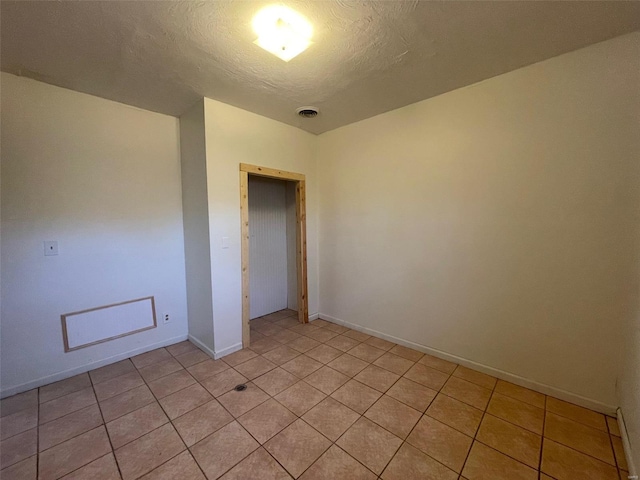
column 307, row 112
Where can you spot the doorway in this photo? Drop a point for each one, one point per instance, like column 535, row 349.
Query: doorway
column 293, row 189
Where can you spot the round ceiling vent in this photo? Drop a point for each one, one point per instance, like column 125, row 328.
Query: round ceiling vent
column 307, row 112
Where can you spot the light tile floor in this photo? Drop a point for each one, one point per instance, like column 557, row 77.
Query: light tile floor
column 322, row 402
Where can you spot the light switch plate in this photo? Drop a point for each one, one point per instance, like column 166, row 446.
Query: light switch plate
column 50, row 248
column 225, row 242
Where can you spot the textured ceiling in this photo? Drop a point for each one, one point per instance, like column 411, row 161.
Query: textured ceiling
column 368, row 57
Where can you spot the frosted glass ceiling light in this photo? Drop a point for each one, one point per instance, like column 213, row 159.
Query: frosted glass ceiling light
column 282, row 31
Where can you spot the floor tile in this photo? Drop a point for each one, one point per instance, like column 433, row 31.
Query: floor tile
column 576, row 413
column 223, row 382
column 149, row 358
column 192, row 358
column 285, row 447
column 438, row 364
column 361, row 337
column 65, row 405
column 275, row 381
column 331, row 418
column 258, row 465
column 348, row 365
column 18, row 448
column 171, row 383
column 182, row 467
column 201, row 422
column 300, row 398
column 69, row 426
column 303, row 344
column 456, row 414
column 511, row 440
column 380, row 343
column 394, row 363
column 408, row 353
column 159, row 370
column 427, row 376
column 224, row 449
column 327, row 380
column 411, row 464
column 467, row 392
column 441, row 442
column 413, row 394
column 366, row 352
column 302, row 366
column 520, row 393
column 287, row 322
column 304, row 329
column 320, row 323
column 266, row 420
column 580, row 437
column 269, row 329
column 241, row 356
column 185, row 400
column 519, row 413
column 206, row 369
column 485, row 463
column 336, row 464
column 370, row 444
column 618, row 449
column 356, row 396
column 135, row 424
column 64, row 387
column 104, row 468
column 286, row 336
column 265, row 345
column 614, row 429
column 18, row 422
column 16, row 403
column 324, row 353
column 148, row 452
column 72, row 454
column 114, row 370
column 322, row 335
column 239, row 403
column 126, row 402
column 255, row 367
column 281, row 354
column 482, row 379
column 113, row 387
column 393, row 415
column 336, row 328
column 181, row 348
column 376, row 377
column 26, row 469
column 564, row 463
column 342, row 343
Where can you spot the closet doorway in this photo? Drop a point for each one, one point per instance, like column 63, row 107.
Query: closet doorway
column 274, row 247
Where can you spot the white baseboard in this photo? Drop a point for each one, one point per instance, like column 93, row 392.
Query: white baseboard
column 633, row 472
column 501, row 374
column 7, row 392
column 201, row 346
column 314, row 316
column 228, row 350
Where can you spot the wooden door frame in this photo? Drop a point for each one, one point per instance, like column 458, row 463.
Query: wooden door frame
column 301, row 239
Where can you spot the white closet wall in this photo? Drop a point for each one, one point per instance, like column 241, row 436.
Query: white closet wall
column 267, row 246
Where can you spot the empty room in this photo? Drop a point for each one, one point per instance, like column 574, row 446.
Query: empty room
column 319, row 240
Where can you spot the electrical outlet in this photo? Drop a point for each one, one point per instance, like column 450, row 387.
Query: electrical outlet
column 166, row 318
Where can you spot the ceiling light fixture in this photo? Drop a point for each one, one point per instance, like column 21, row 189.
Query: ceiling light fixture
column 282, row 31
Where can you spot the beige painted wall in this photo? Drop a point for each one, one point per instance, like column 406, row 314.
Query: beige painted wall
column 235, row 136
column 492, row 222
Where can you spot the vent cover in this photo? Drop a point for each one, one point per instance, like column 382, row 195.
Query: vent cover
column 307, row 112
